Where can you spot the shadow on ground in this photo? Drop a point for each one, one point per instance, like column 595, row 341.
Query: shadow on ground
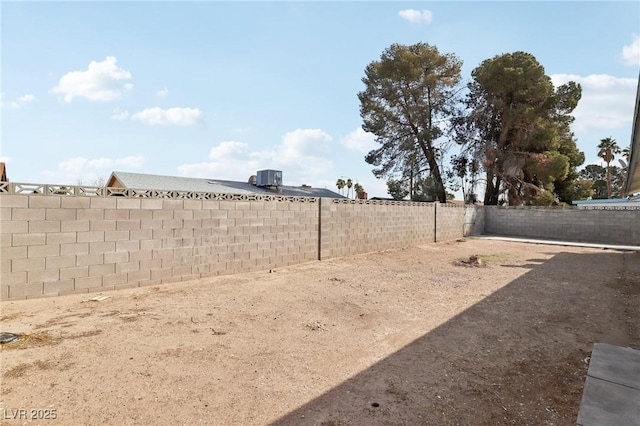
column 519, row 356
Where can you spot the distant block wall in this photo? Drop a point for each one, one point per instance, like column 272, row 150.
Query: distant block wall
column 53, row 245
column 61, row 240
column 620, row 227
column 354, row 228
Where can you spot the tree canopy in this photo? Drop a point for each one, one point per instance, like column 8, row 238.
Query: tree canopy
column 513, row 127
column 407, row 94
column 517, row 126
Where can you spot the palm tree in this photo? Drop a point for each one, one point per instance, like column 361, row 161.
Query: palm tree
column 340, row 183
column 607, row 149
column 349, row 185
column 626, row 153
column 359, row 191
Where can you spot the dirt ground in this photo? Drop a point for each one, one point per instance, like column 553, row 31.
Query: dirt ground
column 406, row 337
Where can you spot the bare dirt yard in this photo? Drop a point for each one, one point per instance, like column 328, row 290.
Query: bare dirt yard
column 426, row 335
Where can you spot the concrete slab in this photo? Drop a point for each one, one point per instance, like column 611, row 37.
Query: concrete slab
column 558, row 243
column 615, row 364
column 611, row 394
column 608, row 404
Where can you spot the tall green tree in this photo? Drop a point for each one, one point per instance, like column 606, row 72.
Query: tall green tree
column 340, row 183
column 517, row 126
column 408, row 92
column 607, row 150
column 599, row 177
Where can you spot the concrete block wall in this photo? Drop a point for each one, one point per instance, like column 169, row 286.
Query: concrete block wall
column 54, row 245
column 354, row 228
column 621, row 227
column 454, row 221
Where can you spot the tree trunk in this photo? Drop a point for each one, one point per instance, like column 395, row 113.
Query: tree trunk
column 608, row 182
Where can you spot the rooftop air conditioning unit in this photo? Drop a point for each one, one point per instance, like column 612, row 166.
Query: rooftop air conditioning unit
column 269, row 178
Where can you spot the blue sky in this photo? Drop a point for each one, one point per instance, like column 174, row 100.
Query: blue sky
column 224, row 89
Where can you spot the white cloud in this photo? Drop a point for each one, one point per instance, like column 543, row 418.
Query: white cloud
column 416, row 16
column 5, row 160
column 119, row 114
column 163, row 92
column 303, row 156
column 359, row 140
column 631, row 53
column 81, row 165
column 303, row 144
column 171, row 116
column 102, row 81
column 90, row 171
column 229, row 160
column 607, row 102
column 20, row 101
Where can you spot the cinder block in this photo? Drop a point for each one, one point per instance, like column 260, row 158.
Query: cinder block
column 136, row 256
column 127, row 245
column 91, row 236
column 44, row 202
column 172, row 224
column 88, row 282
column 90, row 259
column 90, row 214
column 116, row 280
column 102, row 247
column 58, row 262
column 74, row 272
column 141, row 234
column 73, row 225
column 141, row 215
column 173, row 204
column 150, row 204
column 36, row 226
column 14, row 227
column 101, row 288
column 151, row 224
column 28, row 264
column 42, row 275
column 116, row 235
column 116, row 257
column 126, row 225
column 28, row 214
column 44, row 250
column 75, row 202
column 57, row 287
column 58, row 214
column 22, row 291
column 61, row 237
column 183, row 214
column 127, row 203
column 5, row 213
column 14, row 200
column 14, row 278
column 4, row 292
column 100, row 270
column 105, row 203
column 127, row 267
column 74, row 249
column 116, row 214
column 8, row 252
column 162, row 214
column 220, row 213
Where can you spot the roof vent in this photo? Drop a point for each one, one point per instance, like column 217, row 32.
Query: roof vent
column 269, row 178
column 252, row 179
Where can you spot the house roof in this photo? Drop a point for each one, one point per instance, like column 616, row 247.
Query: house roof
column 628, row 200
column 633, row 174
column 176, row 183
